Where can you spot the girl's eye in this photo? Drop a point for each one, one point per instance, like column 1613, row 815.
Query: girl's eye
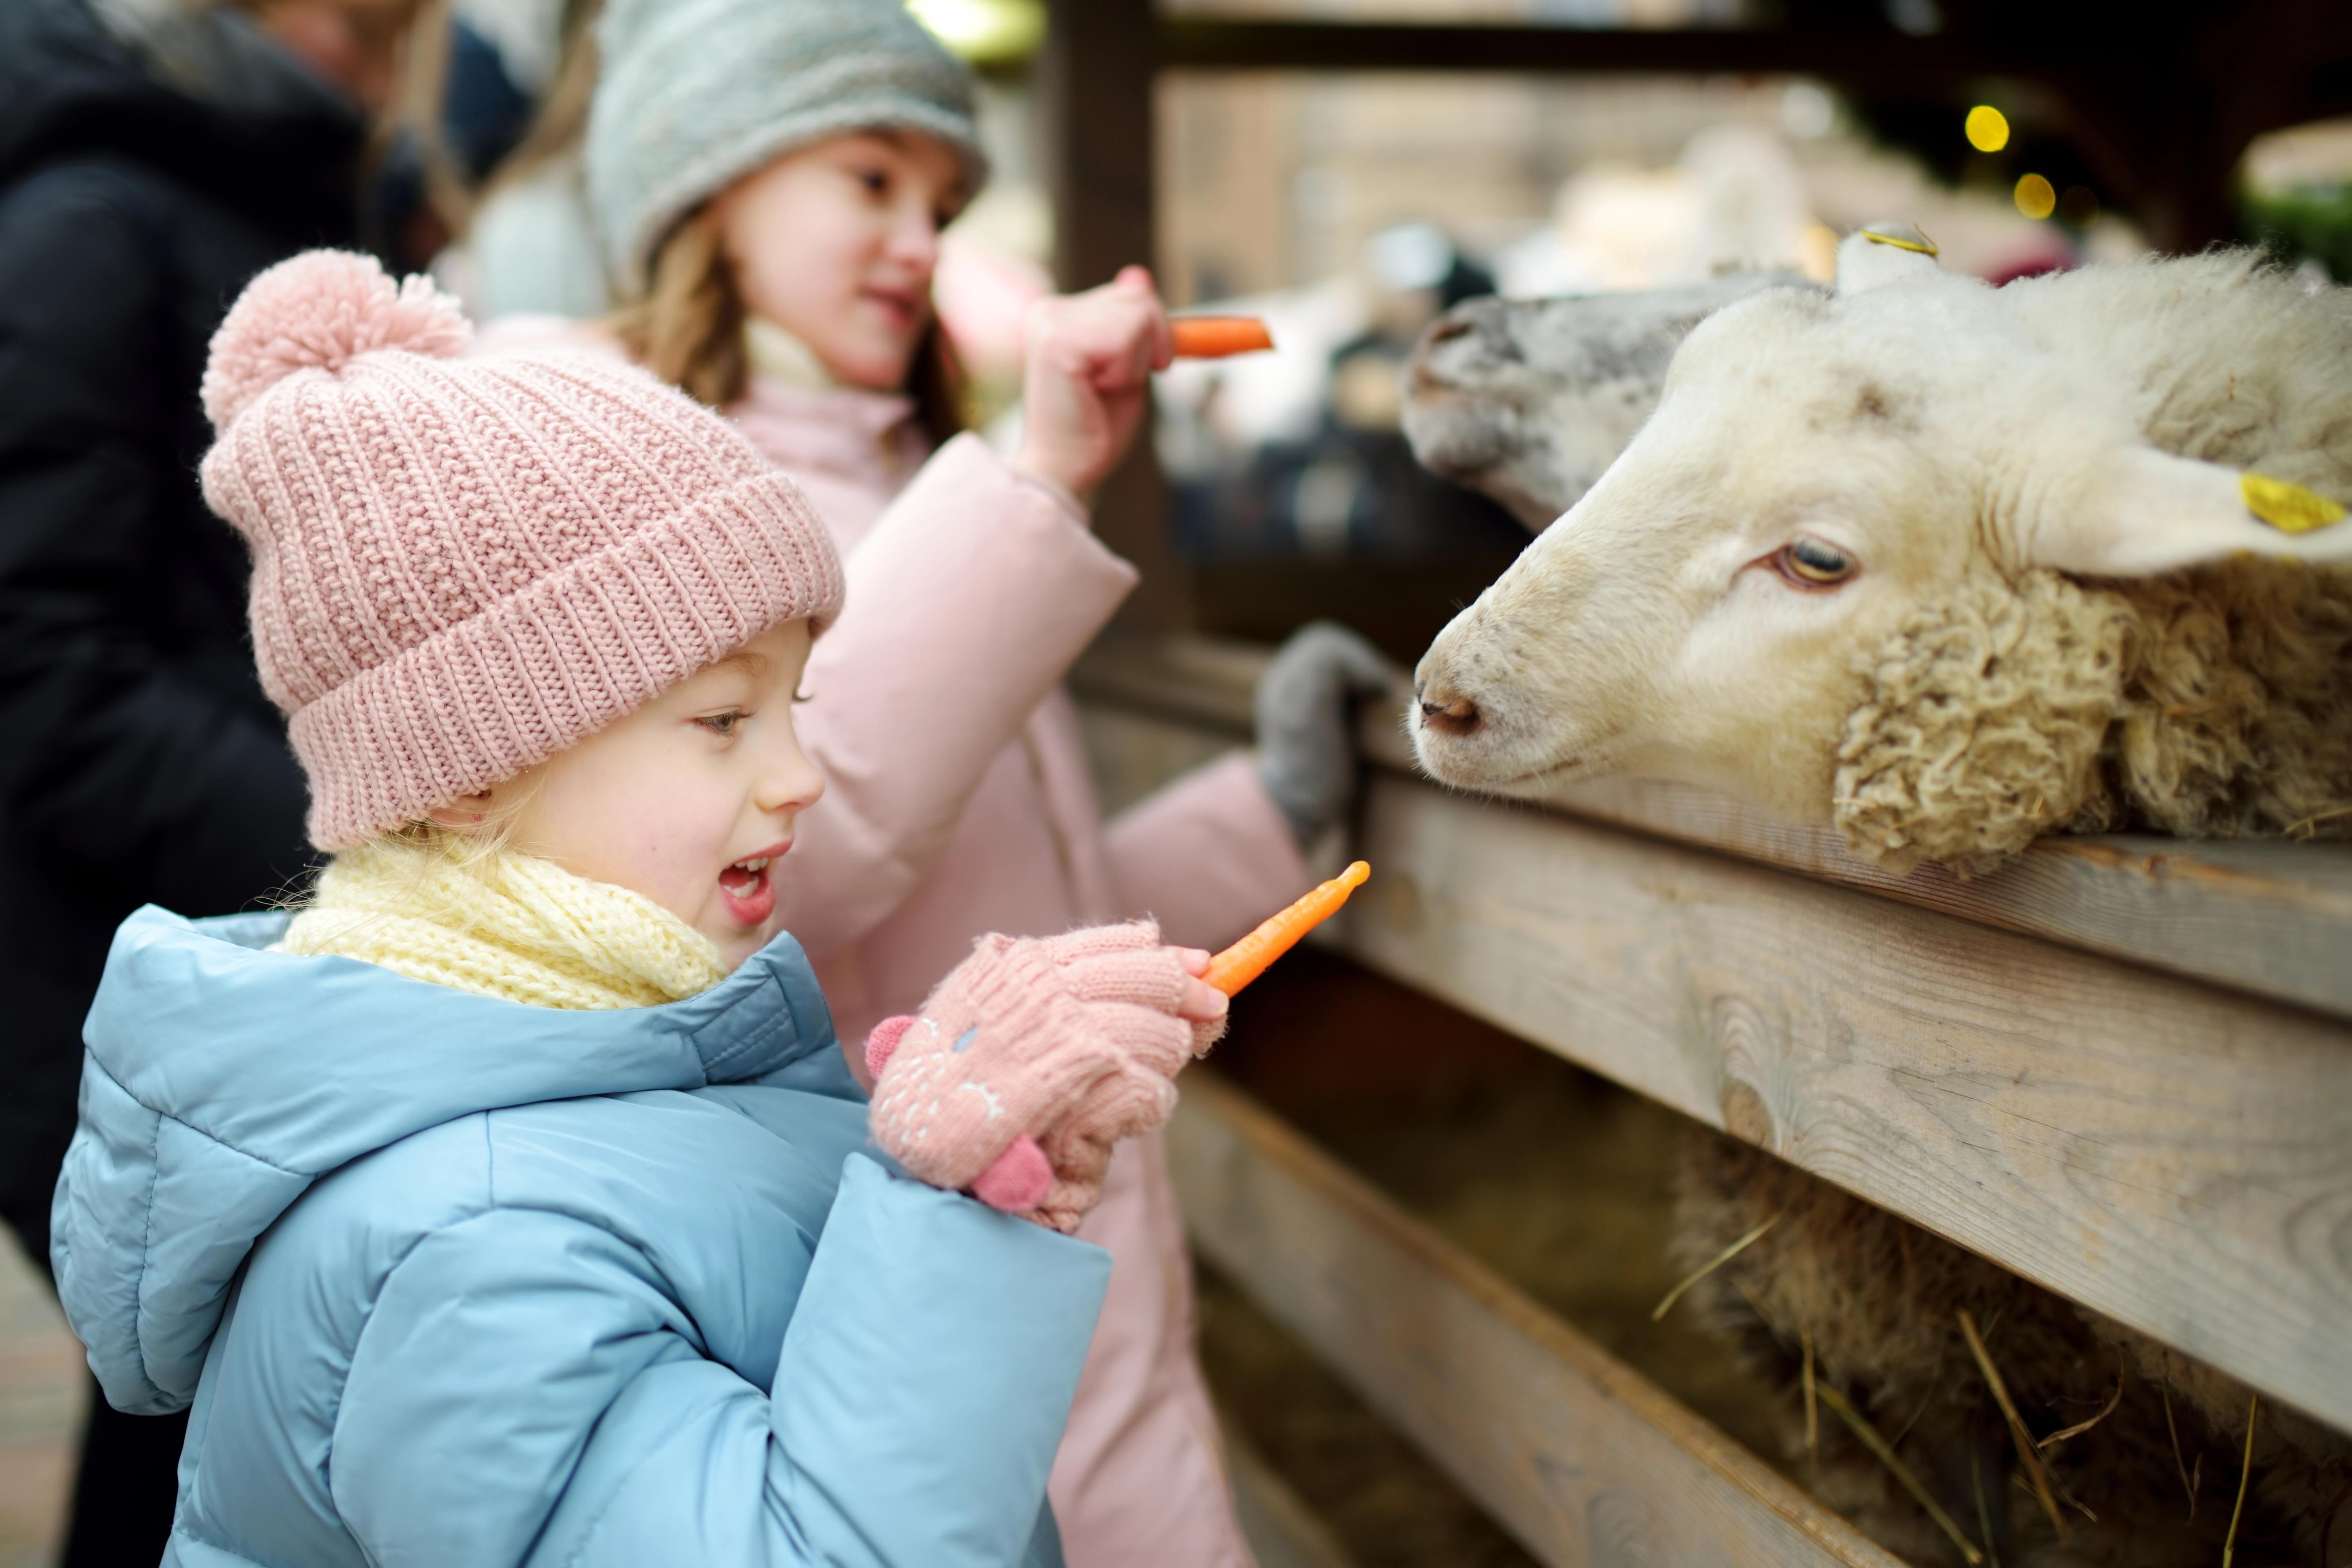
column 876, row 182
column 1811, row 564
column 721, row 723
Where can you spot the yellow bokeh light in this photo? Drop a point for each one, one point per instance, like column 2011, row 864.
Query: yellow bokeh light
column 985, row 32
column 1988, row 129
column 2034, row 197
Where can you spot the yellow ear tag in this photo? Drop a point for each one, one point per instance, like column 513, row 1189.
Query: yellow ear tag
column 2288, row 507
column 1902, row 237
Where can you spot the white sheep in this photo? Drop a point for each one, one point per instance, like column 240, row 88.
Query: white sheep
column 1948, row 567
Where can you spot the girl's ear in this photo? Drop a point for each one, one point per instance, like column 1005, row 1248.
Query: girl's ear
column 467, row 814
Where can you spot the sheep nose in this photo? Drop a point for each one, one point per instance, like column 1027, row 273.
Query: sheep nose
column 1450, row 328
column 1447, row 714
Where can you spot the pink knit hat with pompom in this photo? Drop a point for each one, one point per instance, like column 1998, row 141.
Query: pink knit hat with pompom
column 462, row 566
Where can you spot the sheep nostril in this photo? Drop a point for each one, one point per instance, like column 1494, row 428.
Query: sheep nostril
column 1459, row 717
column 1447, row 331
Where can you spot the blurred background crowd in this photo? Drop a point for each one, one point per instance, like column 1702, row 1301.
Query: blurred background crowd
column 1346, row 206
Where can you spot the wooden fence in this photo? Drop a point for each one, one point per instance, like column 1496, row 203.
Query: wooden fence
column 2121, row 1068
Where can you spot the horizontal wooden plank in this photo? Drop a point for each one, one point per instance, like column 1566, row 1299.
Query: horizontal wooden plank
column 1281, row 1530
column 2267, row 916
column 1880, row 56
column 1582, row 1457
column 2177, row 1156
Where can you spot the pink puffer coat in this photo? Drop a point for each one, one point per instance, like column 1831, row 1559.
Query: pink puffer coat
column 958, row 801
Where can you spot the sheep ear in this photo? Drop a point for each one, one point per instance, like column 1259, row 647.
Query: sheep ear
column 1881, row 253
column 2139, row 511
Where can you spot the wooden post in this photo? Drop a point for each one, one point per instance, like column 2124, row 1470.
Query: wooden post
column 1095, row 76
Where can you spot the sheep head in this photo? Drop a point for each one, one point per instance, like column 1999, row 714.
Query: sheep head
column 1528, row 401
column 1869, row 562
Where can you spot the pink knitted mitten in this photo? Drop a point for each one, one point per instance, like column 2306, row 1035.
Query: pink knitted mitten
column 1033, row 1058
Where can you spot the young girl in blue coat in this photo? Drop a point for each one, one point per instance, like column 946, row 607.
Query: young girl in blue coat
column 512, row 1203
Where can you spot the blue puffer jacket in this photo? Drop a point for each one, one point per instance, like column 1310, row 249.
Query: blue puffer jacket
column 453, row 1280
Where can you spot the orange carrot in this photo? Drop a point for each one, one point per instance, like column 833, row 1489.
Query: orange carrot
column 1250, row 957
column 1215, row 337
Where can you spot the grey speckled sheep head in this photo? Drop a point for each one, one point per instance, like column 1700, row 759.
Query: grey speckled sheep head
column 1527, row 401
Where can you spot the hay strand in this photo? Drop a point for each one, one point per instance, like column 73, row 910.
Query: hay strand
column 2079, row 1427
column 1886, row 1455
column 2026, row 1451
column 2327, row 1519
column 2245, row 1474
column 1658, row 1313
column 1984, row 1510
column 2178, row 1463
column 1812, row 1409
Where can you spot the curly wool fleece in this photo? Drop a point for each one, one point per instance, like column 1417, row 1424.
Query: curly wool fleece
column 697, row 93
column 2212, row 703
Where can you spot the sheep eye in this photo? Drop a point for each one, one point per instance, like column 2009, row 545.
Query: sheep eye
column 1810, row 562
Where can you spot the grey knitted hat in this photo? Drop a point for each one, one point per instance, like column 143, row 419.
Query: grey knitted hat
column 696, row 93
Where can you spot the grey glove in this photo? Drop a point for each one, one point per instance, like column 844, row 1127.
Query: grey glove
column 1306, row 722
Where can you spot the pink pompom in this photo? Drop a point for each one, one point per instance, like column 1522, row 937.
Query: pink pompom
column 320, row 310
column 883, row 1042
column 1018, row 1180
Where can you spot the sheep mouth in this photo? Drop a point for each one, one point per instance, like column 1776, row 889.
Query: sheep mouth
column 1536, row 779
column 1454, row 437
column 1453, row 770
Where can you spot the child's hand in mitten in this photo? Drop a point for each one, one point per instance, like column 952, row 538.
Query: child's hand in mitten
column 1033, row 1058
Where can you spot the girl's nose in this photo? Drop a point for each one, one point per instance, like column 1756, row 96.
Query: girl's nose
column 915, row 241
column 793, row 783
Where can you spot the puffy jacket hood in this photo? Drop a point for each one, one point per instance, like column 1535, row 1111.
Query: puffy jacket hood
column 194, row 91
column 222, row 1079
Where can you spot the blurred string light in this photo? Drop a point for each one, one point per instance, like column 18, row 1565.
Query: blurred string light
column 1988, row 129
column 1806, row 111
column 1411, row 256
column 2035, row 197
column 985, row 32
column 1919, row 18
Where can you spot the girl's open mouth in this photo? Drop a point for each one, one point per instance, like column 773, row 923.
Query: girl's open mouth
column 745, row 887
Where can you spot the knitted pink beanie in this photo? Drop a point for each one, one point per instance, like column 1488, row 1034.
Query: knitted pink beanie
column 462, row 566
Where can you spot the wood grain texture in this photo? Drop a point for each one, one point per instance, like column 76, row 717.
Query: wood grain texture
column 1582, row 1458
column 2176, row 1156
column 2267, row 916
column 1131, row 755
column 1094, row 82
column 1281, row 1530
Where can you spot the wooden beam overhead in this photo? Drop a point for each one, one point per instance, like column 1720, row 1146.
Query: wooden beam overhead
column 1884, row 59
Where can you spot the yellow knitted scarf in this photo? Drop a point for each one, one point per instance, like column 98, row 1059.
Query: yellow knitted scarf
column 506, row 925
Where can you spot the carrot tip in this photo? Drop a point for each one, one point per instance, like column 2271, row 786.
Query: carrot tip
column 1250, row 957
column 1216, row 337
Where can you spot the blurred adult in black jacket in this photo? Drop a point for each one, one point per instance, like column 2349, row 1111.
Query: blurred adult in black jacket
column 154, row 154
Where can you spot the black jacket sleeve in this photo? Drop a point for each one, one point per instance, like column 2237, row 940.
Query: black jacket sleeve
column 132, row 751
